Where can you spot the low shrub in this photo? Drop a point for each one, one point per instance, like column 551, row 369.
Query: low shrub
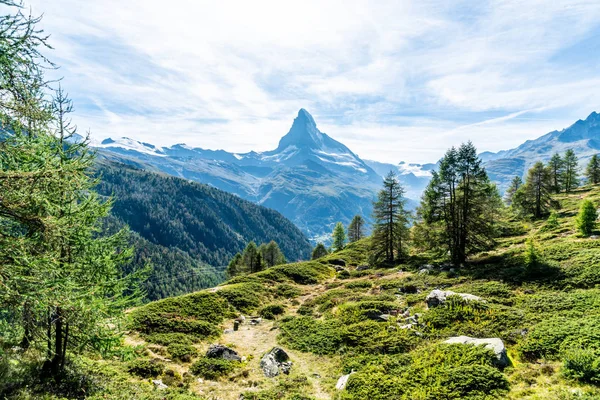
column 287, row 291
column 271, row 311
column 182, row 352
column 213, row 368
column 582, row 365
column 245, row 297
column 145, row 368
column 165, row 339
column 359, row 285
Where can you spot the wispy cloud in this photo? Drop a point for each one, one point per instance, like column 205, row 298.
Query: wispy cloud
column 393, row 80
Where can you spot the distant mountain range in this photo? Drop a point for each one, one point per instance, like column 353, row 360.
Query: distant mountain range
column 316, row 181
column 583, row 137
column 310, row 178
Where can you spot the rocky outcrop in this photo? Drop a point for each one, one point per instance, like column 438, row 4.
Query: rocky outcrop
column 438, row 297
column 224, row 352
column 275, row 362
column 494, row 344
column 343, row 381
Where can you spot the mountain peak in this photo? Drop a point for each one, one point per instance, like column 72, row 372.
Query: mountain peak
column 303, row 133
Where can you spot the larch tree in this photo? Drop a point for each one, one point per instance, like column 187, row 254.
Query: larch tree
column 339, row 237
column 319, row 251
column 515, row 184
column 235, row 267
column 271, row 254
column 251, row 258
column 556, row 168
column 460, row 205
column 390, row 227
column 356, row 229
column 592, row 171
column 570, row 179
column 535, row 196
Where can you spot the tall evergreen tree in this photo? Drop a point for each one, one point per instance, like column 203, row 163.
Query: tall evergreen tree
column 236, row 266
column 319, row 251
column 535, row 196
column 61, row 278
column 251, row 258
column 460, row 204
column 571, row 171
column 515, row 184
column 587, row 218
column 339, row 237
column 556, row 168
column 271, row 254
column 592, row 172
column 356, row 229
column 390, row 225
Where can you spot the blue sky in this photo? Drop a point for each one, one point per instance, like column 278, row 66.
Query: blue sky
column 393, row 80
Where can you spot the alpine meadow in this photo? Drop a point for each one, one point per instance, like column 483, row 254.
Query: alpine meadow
column 176, row 225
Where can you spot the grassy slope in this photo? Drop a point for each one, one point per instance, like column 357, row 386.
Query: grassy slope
column 328, row 331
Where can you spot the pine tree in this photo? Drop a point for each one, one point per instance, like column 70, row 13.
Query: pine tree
column 570, row 173
column 235, row 267
column 390, row 226
column 319, row 251
column 592, row 171
column 271, row 254
column 587, row 217
column 356, row 229
column 339, row 237
column 251, row 258
column 535, row 196
column 515, row 184
column 64, row 277
column 556, row 167
column 460, row 205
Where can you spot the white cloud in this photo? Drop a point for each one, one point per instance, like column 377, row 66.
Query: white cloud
column 392, row 80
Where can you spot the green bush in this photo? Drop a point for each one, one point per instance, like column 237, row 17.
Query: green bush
column 582, row 365
column 287, row 291
column 245, row 297
column 359, row 285
column 271, row 311
column 165, row 339
column 182, row 352
column 213, row 368
column 145, row 368
column 554, row 335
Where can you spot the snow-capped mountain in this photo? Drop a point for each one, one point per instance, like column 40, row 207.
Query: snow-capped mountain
column 310, row 178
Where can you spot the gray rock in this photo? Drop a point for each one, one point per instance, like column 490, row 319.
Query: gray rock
column 362, row 267
column 339, row 268
column 275, row 362
column 159, row 384
column 343, row 381
column 438, row 297
column 494, row 344
column 423, row 271
column 224, row 352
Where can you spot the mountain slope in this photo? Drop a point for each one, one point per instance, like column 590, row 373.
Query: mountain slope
column 583, row 137
column 208, row 224
column 310, row 178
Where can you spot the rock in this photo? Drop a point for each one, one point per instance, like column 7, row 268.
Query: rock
column 423, row 271
column 362, row 267
column 594, row 237
column 315, row 375
column 407, row 326
column 275, row 362
column 384, row 317
column 339, row 268
column 159, row 384
column 494, row 344
column 338, row 261
column 224, row 352
column 255, row 321
column 529, row 291
column 438, row 297
column 200, row 380
column 226, row 331
column 343, row 381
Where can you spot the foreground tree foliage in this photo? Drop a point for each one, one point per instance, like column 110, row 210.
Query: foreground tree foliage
column 460, row 205
column 390, row 227
column 61, row 279
column 570, row 174
column 515, row 184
